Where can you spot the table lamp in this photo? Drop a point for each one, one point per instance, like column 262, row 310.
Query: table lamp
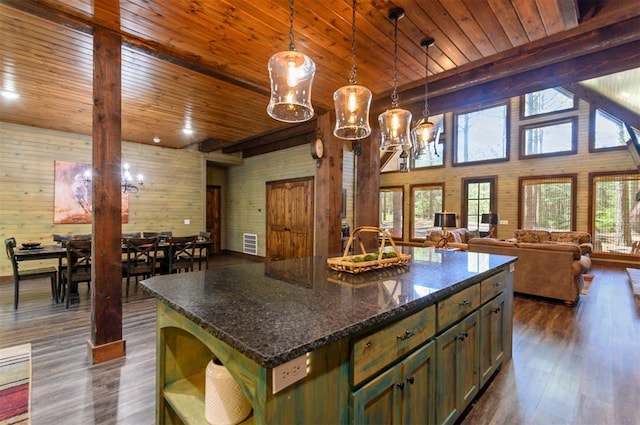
column 492, row 219
column 445, row 220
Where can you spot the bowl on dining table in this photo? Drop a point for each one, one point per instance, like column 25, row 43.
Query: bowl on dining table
column 30, row 245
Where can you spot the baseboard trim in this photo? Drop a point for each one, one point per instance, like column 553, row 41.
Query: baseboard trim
column 105, row 352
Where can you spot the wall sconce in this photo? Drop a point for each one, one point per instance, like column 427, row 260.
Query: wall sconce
column 492, row 219
column 127, row 180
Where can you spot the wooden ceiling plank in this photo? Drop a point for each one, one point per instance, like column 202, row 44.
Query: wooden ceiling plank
column 558, row 15
column 481, row 12
column 530, row 19
column 509, row 20
column 459, row 22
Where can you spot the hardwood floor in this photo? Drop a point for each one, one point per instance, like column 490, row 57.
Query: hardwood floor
column 570, row 365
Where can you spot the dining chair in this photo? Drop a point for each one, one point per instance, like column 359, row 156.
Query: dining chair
column 78, row 267
column 18, row 275
column 126, row 236
column 181, row 253
column 142, row 255
column 202, row 251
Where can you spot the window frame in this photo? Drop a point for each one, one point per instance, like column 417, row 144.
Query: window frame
column 493, row 198
column 574, row 196
column 454, row 136
column 412, row 189
column 440, row 142
column 592, row 131
column 393, row 188
column 546, row 114
column 549, row 123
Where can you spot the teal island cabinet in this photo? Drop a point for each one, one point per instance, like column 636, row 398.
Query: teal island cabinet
column 308, row 345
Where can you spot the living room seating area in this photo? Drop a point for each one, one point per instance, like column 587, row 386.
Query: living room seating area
column 550, row 264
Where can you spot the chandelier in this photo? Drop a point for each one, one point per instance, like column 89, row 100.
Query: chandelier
column 128, row 186
column 291, row 74
column 352, row 102
column 395, row 123
column 423, row 133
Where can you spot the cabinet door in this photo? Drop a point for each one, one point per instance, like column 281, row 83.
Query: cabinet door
column 419, row 404
column 492, row 337
column 469, row 357
column 447, row 400
column 378, row 402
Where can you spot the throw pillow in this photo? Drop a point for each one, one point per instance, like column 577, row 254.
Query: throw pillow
column 526, row 236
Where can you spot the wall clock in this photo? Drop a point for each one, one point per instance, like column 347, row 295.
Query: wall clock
column 317, row 148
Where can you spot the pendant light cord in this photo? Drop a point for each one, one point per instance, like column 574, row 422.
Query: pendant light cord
column 426, row 80
column 352, row 76
column 292, row 45
column 394, row 95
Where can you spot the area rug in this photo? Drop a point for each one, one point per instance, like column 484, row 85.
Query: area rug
column 15, row 385
column 588, row 280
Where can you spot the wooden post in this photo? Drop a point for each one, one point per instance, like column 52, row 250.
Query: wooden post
column 367, row 196
column 328, row 193
column 106, row 274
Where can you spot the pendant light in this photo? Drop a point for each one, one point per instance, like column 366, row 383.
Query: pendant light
column 424, row 130
column 352, row 102
column 291, row 75
column 395, row 123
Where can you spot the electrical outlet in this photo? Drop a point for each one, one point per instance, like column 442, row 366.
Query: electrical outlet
column 288, row 373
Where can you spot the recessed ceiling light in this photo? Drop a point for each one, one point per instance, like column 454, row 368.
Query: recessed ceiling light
column 187, row 131
column 156, row 139
column 9, row 95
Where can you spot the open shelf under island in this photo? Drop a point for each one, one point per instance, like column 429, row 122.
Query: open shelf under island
column 411, row 344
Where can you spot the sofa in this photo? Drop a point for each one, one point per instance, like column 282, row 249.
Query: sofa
column 550, row 264
column 456, row 238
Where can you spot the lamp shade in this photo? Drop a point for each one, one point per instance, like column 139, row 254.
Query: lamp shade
column 445, row 220
column 352, row 104
column 395, row 130
column 291, row 75
column 491, row 218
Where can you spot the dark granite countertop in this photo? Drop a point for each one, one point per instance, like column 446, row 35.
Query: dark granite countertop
column 275, row 312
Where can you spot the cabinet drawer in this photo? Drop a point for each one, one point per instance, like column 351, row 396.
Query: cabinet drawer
column 492, row 286
column 457, row 306
column 375, row 351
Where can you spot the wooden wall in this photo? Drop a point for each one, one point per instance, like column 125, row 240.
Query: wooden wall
column 508, row 173
column 173, row 191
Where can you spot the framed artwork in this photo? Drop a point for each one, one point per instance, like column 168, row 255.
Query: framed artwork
column 72, row 195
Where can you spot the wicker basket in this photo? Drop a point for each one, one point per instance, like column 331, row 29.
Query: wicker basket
column 387, row 255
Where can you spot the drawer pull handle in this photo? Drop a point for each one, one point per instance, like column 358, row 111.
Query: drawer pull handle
column 464, row 303
column 496, row 310
column 410, row 379
column 367, row 346
column 400, row 385
column 463, row 336
column 407, row 335
column 497, row 283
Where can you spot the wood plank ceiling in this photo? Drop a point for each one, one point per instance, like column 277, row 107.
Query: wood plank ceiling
column 203, row 63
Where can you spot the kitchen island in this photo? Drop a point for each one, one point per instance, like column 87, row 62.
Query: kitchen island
column 359, row 336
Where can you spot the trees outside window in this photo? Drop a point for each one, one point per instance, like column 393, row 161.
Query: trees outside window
column 547, row 203
column 391, row 217
column 479, row 198
column 547, row 101
column 426, row 200
column 549, row 138
column 607, row 132
column 481, row 135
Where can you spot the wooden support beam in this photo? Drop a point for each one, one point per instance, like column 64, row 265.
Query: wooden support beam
column 265, row 138
column 106, row 272
column 328, row 193
column 367, row 196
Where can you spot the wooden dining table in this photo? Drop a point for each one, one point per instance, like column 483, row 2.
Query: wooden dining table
column 42, row 252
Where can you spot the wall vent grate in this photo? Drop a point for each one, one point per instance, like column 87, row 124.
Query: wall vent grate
column 250, row 243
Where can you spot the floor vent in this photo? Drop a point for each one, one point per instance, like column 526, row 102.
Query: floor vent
column 250, row 243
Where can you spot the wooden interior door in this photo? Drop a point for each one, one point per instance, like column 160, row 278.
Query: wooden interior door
column 213, row 217
column 289, row 219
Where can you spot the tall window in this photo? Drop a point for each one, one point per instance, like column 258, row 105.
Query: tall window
column 426, row 200
column 481, row 136
column 391, row 202
column 548, row 203
column 607, row 131
column 546, row 101
column 479, row 199
column 616, row 212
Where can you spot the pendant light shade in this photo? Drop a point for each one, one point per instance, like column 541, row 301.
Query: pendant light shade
column 395, row 123
column 352, row 102
column 423, row 132
column 291, row 75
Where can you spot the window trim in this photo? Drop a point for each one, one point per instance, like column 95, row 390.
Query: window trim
column 574, row 137
column 574, row 196
column 454, row 136
column 441, row 185
column 493, row 200
column 524, row 117
column 592, row 131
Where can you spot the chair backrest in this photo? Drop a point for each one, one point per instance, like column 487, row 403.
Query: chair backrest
column 142, row 250
column 10, row 245
column 205, row 235
column 127, row 236
column 79, row 256
column 182, row 249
